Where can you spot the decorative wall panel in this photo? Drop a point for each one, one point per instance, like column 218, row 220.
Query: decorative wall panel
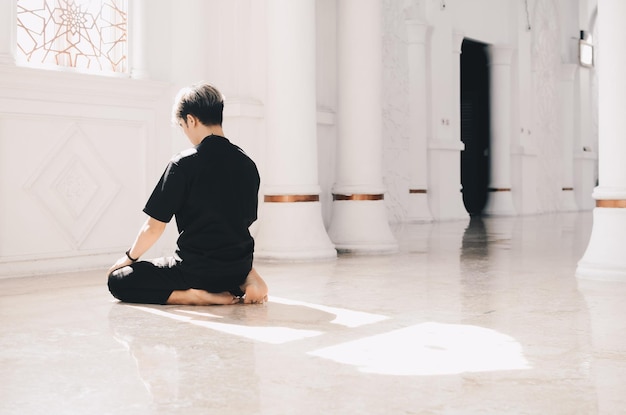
column 74, row 185
column 78, row 156
column 67, row 189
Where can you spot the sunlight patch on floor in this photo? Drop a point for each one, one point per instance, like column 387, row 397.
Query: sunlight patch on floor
column 430, row 349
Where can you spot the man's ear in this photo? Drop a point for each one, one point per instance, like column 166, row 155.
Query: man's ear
column 191, row 120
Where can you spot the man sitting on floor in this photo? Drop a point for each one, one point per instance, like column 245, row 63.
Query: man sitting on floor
column 212, row 190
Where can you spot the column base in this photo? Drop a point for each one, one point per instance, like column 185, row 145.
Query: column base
column 568, row 200
column 293, row 232
column 499, row 203
column 419, row 211
column 446, row 199
column 604, row 259
column 361, row 227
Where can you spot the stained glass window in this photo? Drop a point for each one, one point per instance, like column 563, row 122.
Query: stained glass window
column 88, row 35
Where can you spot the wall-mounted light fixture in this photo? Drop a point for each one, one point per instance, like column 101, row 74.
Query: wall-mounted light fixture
column 585, row 49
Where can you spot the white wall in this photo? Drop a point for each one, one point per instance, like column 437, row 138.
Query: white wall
column 80, row 153
column 76, row 155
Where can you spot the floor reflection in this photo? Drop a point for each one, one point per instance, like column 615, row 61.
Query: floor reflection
column 180, row 365
column 607, row 307
column 475, row 243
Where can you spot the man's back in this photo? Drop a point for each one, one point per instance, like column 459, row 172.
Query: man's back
column 222, row 185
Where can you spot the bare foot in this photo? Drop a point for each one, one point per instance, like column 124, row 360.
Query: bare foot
column 193, row 296
column 254, row 288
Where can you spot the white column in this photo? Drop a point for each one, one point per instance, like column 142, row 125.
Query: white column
column 290, row 225
column 359, row 222
column 419, row 210
column 8, row 17
column 604, row 258
column 567, row 102
column 500, row 199
column 138, row 39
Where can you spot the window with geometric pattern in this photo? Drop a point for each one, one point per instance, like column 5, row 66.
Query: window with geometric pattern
column 89, row 35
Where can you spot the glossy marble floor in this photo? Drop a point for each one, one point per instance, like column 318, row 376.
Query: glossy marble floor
column 470, row 317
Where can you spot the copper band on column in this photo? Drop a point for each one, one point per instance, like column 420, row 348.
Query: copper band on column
column 611, row 203
column 291, row 198
column 414, row 191
column 358, row 197
column 495, row 189
column 568, row 189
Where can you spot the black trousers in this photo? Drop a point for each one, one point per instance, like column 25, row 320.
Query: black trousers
column 152, row 282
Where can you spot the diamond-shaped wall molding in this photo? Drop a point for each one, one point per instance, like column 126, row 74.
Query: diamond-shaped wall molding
column 75, row 185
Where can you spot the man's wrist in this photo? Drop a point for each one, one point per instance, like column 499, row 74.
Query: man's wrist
column 130, row 257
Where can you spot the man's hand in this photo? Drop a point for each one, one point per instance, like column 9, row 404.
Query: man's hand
column 120, row 263
column 149, row 233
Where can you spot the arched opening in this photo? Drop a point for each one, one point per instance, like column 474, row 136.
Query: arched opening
column 475, row 121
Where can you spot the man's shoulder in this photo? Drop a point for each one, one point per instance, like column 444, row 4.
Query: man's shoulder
column 223, row 147
column 185, row 154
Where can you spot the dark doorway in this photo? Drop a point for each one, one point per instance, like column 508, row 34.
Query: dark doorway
column 475, row 113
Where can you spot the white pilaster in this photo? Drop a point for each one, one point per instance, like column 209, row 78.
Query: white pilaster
column 455, row 97
column 454, row 170
column 138, row 39
column 417, row 33
column 188, row 63
column 8, row 17
column 290, row 225
column 359, row 223
column 445, row 145
column 568, row 74
column 585, row 148
column 500, row 199
column 604, row 258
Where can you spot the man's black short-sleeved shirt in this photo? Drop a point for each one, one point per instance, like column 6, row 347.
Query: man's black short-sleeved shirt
column 212, row 190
